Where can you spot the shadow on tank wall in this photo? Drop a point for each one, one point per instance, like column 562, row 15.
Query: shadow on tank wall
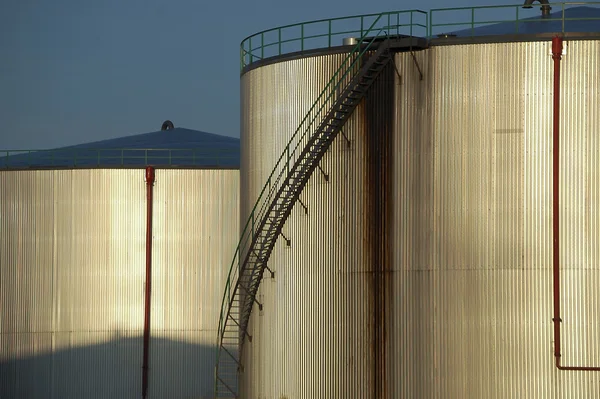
column 111, row 370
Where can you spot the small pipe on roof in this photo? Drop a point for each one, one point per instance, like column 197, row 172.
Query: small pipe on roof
column 545, row 6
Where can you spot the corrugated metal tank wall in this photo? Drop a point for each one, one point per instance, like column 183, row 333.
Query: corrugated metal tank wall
column 72, row 272
column 457, row 299
column 196, row 230
column 310, row 340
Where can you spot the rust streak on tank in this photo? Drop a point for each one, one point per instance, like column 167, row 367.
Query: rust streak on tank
column 379, row 111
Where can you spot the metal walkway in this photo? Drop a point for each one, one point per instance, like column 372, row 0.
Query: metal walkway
column 279, row 195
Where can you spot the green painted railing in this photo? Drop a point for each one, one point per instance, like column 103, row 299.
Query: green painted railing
column 95, row 157
column 326, row 33
column 323, row 103
column 448, row 20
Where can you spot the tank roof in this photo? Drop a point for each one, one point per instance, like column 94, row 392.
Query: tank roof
column 177, row 147
column 575, row 19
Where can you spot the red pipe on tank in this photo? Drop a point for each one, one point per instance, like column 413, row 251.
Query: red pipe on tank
column 557, row 47
column 149, row 185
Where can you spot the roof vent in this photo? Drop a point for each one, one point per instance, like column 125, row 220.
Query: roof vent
column 350, row 41
column 167, row 125
column 545, row 6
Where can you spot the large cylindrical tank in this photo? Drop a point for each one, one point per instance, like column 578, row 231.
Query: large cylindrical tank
column 73, row 274
column 422, row 266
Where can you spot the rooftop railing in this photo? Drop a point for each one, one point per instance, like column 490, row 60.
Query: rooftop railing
column 118, row 157
column 326, row 33
column 461, row 21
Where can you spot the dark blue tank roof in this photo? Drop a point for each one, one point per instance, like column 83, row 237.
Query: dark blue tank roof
column 176, row 147
column 581, row 19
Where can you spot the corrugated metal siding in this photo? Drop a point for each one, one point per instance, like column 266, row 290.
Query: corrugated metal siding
column 487, row 307
column 311, row 339
column 196, row 229
column 72, row 271
column 471, row 304
column 72, row 297
column 411, row 334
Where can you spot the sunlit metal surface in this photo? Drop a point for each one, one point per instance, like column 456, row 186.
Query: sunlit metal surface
column 196, row 228
column 72, row 258
column 454, row 297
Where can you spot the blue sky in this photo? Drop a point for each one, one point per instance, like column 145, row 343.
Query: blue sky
column 79, row 71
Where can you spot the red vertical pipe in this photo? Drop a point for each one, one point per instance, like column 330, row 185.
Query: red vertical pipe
column 149, row 185
column 556, row 56
column 557, row 47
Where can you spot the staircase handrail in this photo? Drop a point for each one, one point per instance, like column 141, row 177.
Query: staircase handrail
column 283, row 164
column 323, row 33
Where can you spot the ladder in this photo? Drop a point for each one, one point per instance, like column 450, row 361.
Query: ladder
column 279, row 195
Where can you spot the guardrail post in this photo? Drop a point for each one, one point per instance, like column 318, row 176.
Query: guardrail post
column 362, row 20
column 563, row 17
column 250, row 50
column 302, row 37
column 239, row 256
column 472, row 21
column 279, row 41
column 329, row 34
column 429, row 22
column 262, row 45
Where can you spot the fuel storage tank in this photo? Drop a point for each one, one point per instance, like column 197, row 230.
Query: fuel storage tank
column 74, row 275
column 418, row 261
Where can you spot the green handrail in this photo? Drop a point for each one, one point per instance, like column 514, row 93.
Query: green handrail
column 87, row 157
column 325, row 33
column 474, row 17
column 321, row 34
column 294, row 146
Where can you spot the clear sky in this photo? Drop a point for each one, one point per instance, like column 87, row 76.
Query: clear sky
column 75, row 71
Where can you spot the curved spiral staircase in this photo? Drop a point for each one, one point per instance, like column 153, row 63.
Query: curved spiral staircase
column 301, row 156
